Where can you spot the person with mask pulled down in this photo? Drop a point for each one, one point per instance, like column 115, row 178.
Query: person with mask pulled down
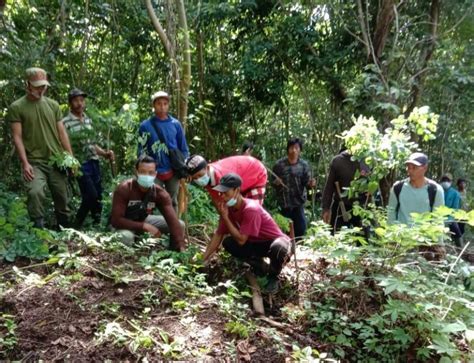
column 248, row 232
column 133, row 203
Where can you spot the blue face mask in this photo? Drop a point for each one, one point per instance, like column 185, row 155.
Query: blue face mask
column 203, row 181
column 231, row 202
column 146, row 181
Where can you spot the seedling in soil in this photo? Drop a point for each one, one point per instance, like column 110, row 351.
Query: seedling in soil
column 8, row 338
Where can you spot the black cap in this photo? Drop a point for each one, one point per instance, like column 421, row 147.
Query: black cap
column 228, row 181
column 195, row 163
column 418, row 159
column 75, row 92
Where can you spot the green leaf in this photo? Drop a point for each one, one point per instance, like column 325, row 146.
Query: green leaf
column 454, row 327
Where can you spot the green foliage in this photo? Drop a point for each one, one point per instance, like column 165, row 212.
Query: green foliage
column 17, row 236
column 306, row 354
column 283, row 222
column 66, row 161
column 8, row 338
column 383, row 152
column 200, row 207
column 238, row 329
column 383, row 300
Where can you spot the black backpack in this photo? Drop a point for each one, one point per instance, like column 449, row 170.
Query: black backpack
column 432, row 189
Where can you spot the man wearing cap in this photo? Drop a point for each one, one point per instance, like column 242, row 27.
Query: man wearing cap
column 251, row 170
column 416, row 194
column 38, row 134
column 252, row 232
column 158, row 129
column 83, row 140
column 452, row 199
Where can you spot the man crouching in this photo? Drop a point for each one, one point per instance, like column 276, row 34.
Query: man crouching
column 134, row 201
column 253, row 232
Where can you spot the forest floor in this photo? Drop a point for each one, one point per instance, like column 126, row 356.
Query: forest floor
column 98, row 302
column 96, row 299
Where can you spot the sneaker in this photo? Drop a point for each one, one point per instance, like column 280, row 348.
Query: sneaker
column 273, row 285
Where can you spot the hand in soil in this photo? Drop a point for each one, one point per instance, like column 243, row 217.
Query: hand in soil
column 155, row 232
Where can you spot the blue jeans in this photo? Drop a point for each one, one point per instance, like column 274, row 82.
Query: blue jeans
column 296, row 214
column 91, row 192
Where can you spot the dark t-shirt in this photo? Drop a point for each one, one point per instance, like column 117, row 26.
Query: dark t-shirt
column 342, row 169
column 296, row 178
column 253, row 221
column 129, row 193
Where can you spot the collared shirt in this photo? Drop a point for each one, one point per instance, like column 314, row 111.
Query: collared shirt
column 81, row 135
column 296, row 178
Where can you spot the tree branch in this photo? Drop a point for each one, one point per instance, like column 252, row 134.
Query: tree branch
column 159, row 29
column 426, row 55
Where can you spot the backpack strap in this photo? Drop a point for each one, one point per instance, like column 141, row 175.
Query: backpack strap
column 148, row 195
column 432, row 189
column 157, row 130
column 397, row 189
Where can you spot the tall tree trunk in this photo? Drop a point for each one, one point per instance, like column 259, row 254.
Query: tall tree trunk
column 209, row 146
column 181, row 75
column 186, row 64
column 385, row 18
column 420, row 75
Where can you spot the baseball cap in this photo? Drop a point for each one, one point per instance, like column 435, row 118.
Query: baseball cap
column 160, row 94
column 447, row 176
column 417, row 159
column 195, row 163
column 37, row 77
column 228, row 181
column 75, row 92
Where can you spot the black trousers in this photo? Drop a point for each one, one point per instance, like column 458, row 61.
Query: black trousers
column 296, row 214
column 336, row 218
column 91, row 192
column 278, row 250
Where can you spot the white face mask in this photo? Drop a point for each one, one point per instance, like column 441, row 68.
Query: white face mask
column 446, row 185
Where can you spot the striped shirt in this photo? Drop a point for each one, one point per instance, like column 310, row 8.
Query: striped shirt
column 81, row 134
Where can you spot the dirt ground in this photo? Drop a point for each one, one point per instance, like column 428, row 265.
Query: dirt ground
column 60, row 314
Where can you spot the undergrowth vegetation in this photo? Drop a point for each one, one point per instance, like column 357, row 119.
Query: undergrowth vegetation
column 388, row 298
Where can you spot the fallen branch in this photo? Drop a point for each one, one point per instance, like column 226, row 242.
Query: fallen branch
column 285, row 328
